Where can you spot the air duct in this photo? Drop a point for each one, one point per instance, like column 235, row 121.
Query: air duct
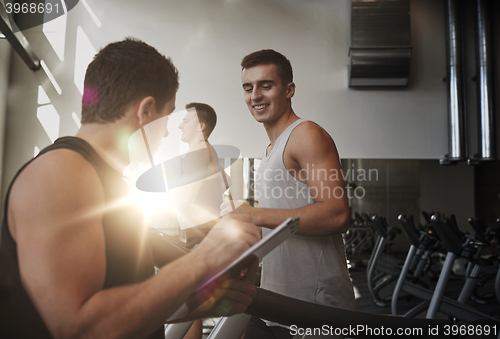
column 484, row 81
column 380, row 49
column 455, row 85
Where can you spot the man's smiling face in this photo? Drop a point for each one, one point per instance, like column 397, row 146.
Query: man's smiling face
column 265, row 95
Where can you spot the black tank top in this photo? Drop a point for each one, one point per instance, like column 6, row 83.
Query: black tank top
column 128, row 259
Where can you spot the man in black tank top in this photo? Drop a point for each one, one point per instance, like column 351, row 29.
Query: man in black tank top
column 79, row 247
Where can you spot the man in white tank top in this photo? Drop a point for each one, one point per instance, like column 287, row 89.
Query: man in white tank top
column 300, row 177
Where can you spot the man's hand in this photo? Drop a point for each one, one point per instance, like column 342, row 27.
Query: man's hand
column 227, row 240
column 240, row 207
column 235, row 295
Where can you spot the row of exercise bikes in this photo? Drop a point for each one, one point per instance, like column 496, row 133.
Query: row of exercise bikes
column 440, row 256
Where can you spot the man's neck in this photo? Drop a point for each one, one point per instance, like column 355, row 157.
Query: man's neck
column 110, row 141
column 197, row 143
column 275, row 128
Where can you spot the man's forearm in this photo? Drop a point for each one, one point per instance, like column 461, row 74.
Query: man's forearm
column 315, row 219
column 136, row 310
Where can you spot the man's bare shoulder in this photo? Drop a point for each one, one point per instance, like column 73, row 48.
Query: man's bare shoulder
column 60, row 181
column 55, row 169
column 309, row 137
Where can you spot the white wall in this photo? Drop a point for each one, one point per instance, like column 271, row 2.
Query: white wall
column 207, row 40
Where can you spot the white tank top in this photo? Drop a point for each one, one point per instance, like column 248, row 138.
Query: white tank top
column 309, row 268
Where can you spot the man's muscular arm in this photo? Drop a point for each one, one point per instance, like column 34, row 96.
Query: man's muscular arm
column 311, row 156
column 55, row 212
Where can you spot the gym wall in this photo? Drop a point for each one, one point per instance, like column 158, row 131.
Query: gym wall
column 206, row 41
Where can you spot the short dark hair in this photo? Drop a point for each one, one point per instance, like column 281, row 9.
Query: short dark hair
column 122, row 73
column 206, row 114
column 267, row 57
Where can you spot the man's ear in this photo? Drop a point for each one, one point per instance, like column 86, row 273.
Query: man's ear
column 145, row 109
column 203, row 126
column 290, row 90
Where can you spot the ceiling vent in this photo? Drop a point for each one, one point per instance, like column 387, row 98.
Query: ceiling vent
column 380, row 49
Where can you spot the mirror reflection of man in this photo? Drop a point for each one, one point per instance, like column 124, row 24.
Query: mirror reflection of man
column 201, row 161
column 200, row 168
column 203, row 179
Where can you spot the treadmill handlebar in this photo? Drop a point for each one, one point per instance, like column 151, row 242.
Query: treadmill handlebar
column 289, row 311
